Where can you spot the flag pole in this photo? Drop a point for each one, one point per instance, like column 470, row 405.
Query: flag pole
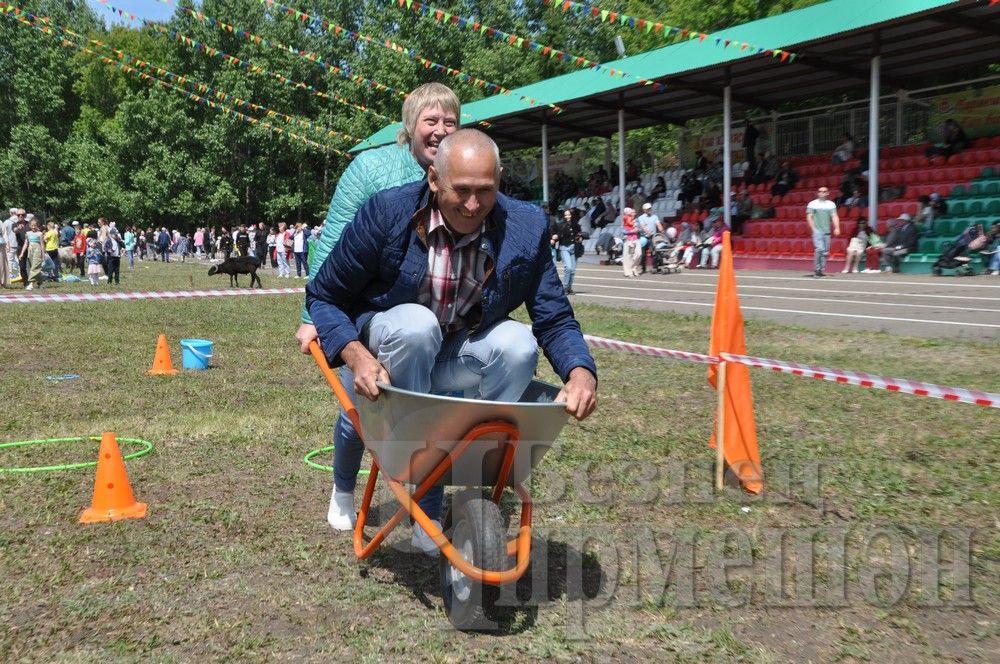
column 720, row 430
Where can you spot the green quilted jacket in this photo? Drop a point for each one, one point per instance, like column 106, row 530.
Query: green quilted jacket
column 369, row 173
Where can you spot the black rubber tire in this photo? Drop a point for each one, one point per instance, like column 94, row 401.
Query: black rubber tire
column 475, row 521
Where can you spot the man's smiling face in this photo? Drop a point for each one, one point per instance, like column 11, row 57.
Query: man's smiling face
column 466, row 187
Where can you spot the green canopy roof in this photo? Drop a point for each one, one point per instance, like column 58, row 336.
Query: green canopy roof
column 831, row 43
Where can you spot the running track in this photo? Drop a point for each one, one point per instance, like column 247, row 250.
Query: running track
column 917, row 305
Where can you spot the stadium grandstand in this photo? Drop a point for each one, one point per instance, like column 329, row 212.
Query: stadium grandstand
column 841, row 49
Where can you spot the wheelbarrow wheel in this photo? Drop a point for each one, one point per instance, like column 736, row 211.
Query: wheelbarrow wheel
column 477, row 532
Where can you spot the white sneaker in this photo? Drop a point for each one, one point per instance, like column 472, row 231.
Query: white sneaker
column 423, row 542
column 341, row 515
column 844, row 271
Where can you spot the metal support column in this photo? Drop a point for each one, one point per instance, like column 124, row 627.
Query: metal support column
column 545, row 166
column 873, row 142
column 621, row 160
column 727, row 154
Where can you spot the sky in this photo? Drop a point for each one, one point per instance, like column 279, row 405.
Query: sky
column 148, row 9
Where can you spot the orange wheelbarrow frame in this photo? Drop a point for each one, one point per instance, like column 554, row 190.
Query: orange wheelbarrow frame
column 519, row 546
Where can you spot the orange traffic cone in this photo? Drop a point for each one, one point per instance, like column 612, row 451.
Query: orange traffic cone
column 113, row 498
column 161, row 361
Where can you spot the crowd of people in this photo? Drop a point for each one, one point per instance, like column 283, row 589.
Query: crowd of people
column 33, row 253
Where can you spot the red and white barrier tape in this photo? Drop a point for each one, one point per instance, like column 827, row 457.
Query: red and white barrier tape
column 960, row 394
column 639, row 349
column 27, row 298
column 862, row 379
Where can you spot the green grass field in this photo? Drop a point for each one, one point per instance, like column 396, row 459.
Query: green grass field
column 235, row 560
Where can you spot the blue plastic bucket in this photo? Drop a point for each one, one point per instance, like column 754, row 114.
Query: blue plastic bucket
column 197, row 353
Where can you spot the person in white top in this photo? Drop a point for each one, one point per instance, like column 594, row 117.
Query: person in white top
column 821, row 214
column 299, row 248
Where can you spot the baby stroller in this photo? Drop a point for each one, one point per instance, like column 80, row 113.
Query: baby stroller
column 615, row 251
column 666, row 257
column 956, row 255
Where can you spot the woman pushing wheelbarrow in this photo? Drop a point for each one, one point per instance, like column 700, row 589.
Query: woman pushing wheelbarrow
column 416, row 295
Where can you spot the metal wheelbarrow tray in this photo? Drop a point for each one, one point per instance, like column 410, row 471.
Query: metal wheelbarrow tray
column 430, row 440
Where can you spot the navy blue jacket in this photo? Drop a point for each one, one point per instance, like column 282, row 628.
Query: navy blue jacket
column 381, row 260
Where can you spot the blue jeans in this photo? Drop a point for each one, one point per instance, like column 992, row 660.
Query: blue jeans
column 994, row 262
column 821, row 246
column 494, row 364
column 131, row 258
column 568, row 254
column 300, row 264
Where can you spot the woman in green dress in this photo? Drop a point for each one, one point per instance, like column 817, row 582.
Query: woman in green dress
column 33, row 247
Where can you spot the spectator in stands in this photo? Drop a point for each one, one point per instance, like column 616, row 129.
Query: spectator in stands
column 873, row 255
column 856, row 248
column 610, row 213
column 844, row 151
column 924, row 219
column 821, row 213
column 711, row 196
column 700, row 163
column 750, row 136
column 596, row 212
column 742, row 210
column 691, row 189
column 939, row 204
column 631, row 172
column 785, row 180
column 658, row 189
column 901, row 241
column 850, row 191
column 691, row 246
column 711, row 247
column 637, row 199
column 953, row 141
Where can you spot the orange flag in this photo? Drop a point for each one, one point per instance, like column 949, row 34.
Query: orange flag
column 740, row 444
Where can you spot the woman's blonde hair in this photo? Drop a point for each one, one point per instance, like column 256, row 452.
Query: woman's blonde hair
column 427, row 95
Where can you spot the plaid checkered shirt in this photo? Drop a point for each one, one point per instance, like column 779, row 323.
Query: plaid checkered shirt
column 455, row 269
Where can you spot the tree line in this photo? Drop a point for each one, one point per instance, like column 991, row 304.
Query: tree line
column 80, row 138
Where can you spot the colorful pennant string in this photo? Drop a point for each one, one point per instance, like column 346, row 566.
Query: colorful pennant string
column 592, row 11
column 44, row 25
column 201, row 87
column 316, row 21
column 423, row 10
column 258, row 39
column 246, row 65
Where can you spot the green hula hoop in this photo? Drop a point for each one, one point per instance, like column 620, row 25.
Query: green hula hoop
column 147, row 447
column 318, row 466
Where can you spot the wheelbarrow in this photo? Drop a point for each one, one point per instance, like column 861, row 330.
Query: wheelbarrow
column 427, row 440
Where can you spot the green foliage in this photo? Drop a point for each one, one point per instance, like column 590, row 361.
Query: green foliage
column 80, row 138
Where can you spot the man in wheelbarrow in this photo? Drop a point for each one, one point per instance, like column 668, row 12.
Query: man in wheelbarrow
column 418, row 293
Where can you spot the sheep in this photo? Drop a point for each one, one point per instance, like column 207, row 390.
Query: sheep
column 67, row 258
column 236, row 266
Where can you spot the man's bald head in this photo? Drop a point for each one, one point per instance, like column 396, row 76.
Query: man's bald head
column 471, row 144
